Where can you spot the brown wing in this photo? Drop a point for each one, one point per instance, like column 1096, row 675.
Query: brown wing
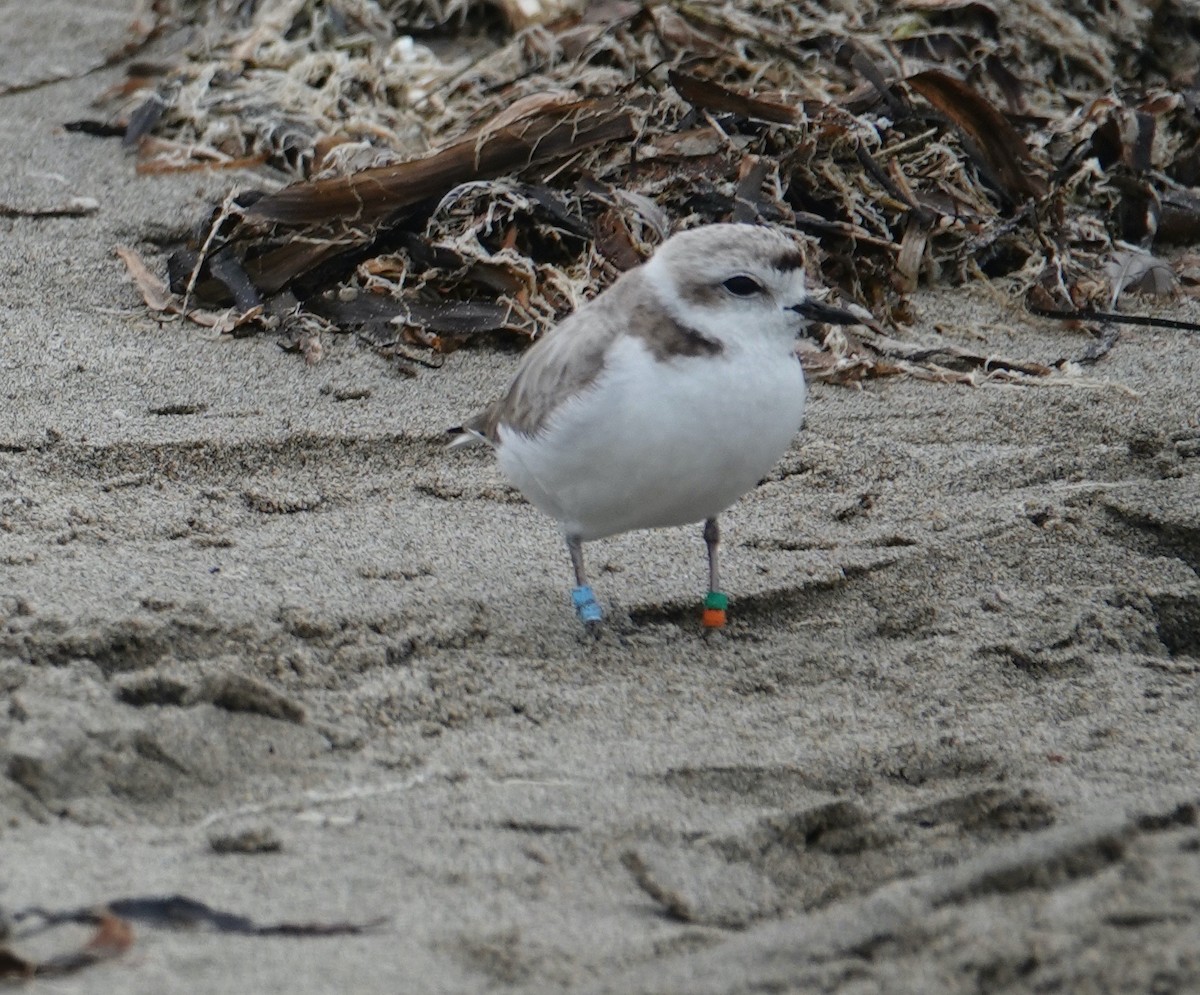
column 572, row 356
column 559, row 365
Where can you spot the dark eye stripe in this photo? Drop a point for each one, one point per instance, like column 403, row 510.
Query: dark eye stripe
column 789, row 261
column 742, row 286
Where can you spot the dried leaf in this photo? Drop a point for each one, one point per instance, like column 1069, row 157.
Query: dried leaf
column 1005, row 156
column 154, row 291
column 143, row 119
column 225, row 267
column 112, row 937
column 714, row 97
column 912, row 251
column 614, row 241
column 552, row 132
column 224, row 322
column 1134, row 269
column 157, row 156
column 72, row 207
column 14, row 966
column 160, row 299
column 1179, row 217
column 182, row 912
column 1125, row 136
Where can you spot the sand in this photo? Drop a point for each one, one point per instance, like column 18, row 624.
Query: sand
column 948, row 742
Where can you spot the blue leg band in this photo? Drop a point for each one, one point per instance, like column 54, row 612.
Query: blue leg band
column 586, row 606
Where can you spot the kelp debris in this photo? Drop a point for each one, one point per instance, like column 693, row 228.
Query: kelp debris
column 460, row 168
column 112, row 933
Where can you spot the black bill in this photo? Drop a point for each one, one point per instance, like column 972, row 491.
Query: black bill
column 814, row 310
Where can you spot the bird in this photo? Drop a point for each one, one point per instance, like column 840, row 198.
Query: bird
column 662, row 400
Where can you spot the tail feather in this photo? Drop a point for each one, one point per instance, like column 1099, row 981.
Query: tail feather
column 462, row 437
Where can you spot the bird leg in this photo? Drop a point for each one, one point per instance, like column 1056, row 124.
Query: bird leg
column 582, row 596
column 715, row 602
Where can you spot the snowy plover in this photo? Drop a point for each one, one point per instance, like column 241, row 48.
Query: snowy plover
column 665, row 399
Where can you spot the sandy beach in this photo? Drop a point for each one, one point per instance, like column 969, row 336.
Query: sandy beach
column 948, row 742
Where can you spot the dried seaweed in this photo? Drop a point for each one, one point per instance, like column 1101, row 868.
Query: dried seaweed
column 113, row 934
column 451, row 175
column 71, row 207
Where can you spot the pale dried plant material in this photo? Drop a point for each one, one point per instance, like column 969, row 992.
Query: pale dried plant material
column 449, row 172
column 158, row 298
column 70, row 207
column 1135, row 269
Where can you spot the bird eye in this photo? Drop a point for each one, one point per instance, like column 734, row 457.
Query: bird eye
column 742, row 286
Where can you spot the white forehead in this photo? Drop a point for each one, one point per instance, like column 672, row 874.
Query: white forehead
column 718, row 251
column 735, row 245
column 692, row 266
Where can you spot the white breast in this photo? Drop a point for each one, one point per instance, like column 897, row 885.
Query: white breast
column 653, row 444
